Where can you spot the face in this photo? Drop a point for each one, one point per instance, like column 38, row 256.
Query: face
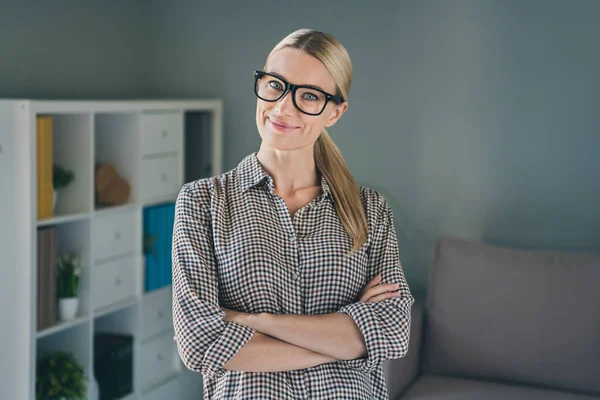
column 280, row 124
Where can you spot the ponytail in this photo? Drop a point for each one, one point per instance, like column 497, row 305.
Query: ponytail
column 345, row 191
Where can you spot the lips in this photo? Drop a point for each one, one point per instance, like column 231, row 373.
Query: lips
column 281, row 126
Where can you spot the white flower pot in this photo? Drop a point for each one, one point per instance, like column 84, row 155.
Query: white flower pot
column 67, row 308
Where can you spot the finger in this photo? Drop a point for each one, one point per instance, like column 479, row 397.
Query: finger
column 388, row 287
column 384, row 296
column 373, row 282
column 377, row 290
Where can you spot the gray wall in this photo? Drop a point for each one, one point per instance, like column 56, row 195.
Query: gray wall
column 72, row 49
column 474, row 118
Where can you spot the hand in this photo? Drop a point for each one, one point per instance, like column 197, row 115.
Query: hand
column 375, row 291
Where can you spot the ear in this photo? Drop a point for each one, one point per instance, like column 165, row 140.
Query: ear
column 336, row 114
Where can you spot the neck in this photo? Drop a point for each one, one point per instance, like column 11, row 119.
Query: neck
column 291, row 170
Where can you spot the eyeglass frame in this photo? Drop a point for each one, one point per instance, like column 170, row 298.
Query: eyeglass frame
column 290, row 87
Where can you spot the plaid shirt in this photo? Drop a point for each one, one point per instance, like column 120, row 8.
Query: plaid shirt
column 235, row 245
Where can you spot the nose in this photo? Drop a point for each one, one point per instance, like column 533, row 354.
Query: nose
column 285, row 105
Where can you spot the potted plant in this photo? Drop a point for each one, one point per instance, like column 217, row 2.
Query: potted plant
column 59, row 376
column 61, row 178
column 67, row 277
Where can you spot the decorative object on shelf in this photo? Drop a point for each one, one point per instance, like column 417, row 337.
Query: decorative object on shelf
column 69, row 269
column 61, row 178
column 113, row 364
column 111, row 188
column 59, row 375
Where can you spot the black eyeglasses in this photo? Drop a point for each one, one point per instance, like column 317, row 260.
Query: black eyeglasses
column 308, row 99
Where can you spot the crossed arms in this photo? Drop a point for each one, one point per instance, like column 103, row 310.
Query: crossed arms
column 213, row 340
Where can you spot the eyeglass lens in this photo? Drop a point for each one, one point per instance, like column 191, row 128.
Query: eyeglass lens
column 308, row 100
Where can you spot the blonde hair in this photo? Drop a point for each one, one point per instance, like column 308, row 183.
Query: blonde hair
column 328, row 158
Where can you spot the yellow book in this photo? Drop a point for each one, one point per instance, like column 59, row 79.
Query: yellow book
column 45, row 189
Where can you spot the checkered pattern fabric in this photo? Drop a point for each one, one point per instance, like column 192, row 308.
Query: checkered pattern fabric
column 235, row 245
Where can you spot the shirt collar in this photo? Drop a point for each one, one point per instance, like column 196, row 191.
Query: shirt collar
column 251, row 174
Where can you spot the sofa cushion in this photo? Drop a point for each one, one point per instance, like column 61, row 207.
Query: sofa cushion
column 523, row 316
column 429, row 387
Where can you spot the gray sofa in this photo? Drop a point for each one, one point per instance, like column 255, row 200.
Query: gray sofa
column 503, row 324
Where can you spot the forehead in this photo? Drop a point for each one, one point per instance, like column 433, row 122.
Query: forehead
column 301, row 69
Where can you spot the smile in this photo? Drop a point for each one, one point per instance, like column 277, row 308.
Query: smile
column 281, row 126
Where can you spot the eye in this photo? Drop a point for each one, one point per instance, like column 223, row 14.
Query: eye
column 275, row 85
column 310, row 96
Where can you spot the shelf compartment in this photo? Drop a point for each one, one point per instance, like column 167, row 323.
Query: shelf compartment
column 162, row 133
column 158, row 360
column 75, row 339
column 114, row 351
column 116, row 233
column 161, row 179
column 115, row 281
column 156, row 315
column 52, row 241
column 71, row 148
column 116, row 139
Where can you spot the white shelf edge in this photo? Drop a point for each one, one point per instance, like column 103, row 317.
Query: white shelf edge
column 114, row 307
column 63, row 219
column 62, row 326
column 120, row 106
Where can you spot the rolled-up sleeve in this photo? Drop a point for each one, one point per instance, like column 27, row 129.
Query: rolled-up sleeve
column 205, row 341
column 384, row 325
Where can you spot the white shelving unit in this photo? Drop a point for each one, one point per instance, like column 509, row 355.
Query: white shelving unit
column 147, row 142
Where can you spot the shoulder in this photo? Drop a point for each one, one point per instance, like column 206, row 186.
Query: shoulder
column 204, row 193
column 377, row 207
column 373, row 200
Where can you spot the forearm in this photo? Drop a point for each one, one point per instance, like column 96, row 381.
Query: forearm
column 266, row 354
column 335, row 335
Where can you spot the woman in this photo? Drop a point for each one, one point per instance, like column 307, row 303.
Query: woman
column 286, row 277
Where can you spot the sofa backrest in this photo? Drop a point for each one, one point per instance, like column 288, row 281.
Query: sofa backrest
column 530, row 317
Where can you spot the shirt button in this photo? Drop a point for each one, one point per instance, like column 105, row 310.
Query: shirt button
column 296, row 276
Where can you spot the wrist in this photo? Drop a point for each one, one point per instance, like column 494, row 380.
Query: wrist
column 257, row 322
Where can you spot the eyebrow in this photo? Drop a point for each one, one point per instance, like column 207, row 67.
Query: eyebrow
column 310, row 86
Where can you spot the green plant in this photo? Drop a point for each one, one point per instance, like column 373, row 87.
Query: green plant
column 59, row 375
column 61, row 177
column 69, row 268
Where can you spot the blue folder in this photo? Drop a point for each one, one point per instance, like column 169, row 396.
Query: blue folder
column 158, row 222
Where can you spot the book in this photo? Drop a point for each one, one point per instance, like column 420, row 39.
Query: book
column 44, row 158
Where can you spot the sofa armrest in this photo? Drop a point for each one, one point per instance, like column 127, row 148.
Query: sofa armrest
column 401, row 372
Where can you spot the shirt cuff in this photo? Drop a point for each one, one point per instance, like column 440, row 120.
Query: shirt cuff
column 367, row 321
column 227, row 345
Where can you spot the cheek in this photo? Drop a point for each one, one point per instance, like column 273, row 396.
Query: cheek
column 262, row 110
column 313, row 126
